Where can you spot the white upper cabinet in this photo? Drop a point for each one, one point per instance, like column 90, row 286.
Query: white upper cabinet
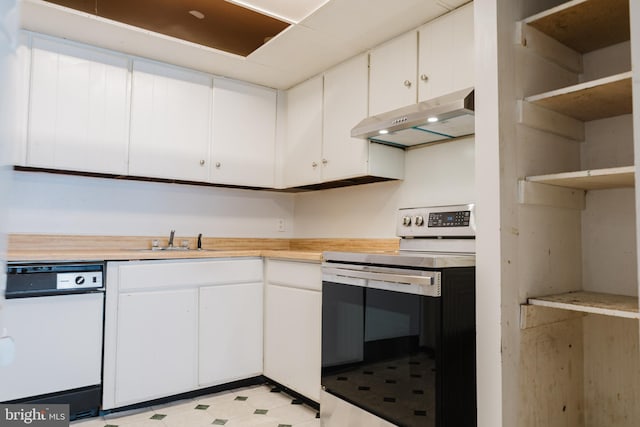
column 244, row 134
column 80, row 108
column 78, row 112
column 20, row 66
column 345, row 104
column 403, row 74
column 393, row 74
column 321, row 114
column 170, row 122
column 446, row 57
column 303, row 148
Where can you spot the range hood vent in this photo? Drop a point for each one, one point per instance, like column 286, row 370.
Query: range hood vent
column 446, row 117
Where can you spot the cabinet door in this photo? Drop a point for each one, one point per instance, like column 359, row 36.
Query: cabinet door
column 449, row 66
column 345, row 104
column 78, row 115
column 170, row 122
column 230, row 338
column 244, row 134
column 303, row 152
column 393, row 73
column 17, row 112
column 156, row 349
column 292, row 338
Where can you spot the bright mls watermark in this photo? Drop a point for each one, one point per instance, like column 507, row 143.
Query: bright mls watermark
column 34, row 415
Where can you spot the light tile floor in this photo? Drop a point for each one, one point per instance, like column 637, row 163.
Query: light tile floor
column 251, row 407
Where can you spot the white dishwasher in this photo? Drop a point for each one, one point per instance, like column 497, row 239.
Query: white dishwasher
column 55, row 314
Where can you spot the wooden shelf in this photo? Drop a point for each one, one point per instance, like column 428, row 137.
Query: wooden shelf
column 591, row 302
column 596, row 99
column 585, row 25
column 596, row 179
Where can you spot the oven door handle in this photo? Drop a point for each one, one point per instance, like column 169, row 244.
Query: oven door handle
column 383, row 277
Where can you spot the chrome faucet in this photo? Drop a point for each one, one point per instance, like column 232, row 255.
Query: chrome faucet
column 170, row 245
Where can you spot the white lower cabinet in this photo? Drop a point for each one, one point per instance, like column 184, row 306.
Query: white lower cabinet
column 230, row 319
column 292, row 324
column 156, row 337
column 179, row 325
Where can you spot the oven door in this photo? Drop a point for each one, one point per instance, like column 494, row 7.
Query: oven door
column 381, row 340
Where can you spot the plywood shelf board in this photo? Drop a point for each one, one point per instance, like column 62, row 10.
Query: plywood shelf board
column 592, row 302
column 534, row 193
column 533, row 316
column 585, row 25
column 547, row 120
column 596, row 179
column 596, row 99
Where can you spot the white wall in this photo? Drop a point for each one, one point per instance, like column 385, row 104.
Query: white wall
column 63, row 204
column 487, row 26
column 440, row 174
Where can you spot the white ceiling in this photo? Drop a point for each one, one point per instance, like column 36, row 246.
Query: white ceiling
column 337, row 30
column 285, row 10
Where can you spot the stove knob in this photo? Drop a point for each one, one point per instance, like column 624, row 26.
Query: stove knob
column 419, row 220
column 406, row 221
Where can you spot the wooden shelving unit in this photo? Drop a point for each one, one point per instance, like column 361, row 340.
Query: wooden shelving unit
column 585, row 25
column 577, row 247
column 591, row 302
column 597, row 99
column 597, row 179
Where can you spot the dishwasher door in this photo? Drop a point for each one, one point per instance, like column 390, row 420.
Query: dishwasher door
column 58, row 343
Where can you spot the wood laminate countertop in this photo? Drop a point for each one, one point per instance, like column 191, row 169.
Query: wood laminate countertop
column 33, row 247
column 144, row 254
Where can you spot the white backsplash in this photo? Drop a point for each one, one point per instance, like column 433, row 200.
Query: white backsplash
column 441, row 174
column 61, row 204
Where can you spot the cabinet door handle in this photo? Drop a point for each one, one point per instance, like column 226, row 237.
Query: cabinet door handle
column 201, row 162
column 314, row 165
column 325, row 161
column 218, row 164
column 407, row 83
column 424, row 77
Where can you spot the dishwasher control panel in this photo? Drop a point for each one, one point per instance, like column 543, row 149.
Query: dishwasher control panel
column 85, row 280
column 42, row 279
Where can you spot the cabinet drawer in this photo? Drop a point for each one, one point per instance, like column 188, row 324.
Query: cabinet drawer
column 305, row 275
column 166, row 274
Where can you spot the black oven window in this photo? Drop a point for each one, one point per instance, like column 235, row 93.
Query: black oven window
column 379, row 351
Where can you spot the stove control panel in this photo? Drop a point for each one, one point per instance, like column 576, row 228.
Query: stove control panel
column 437, row 221
column 450, row 219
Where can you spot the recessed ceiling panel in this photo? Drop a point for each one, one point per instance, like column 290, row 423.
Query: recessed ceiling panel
column 288, row 10
column 214, row 23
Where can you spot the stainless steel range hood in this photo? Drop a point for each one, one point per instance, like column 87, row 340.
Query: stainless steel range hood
column 446, row 117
